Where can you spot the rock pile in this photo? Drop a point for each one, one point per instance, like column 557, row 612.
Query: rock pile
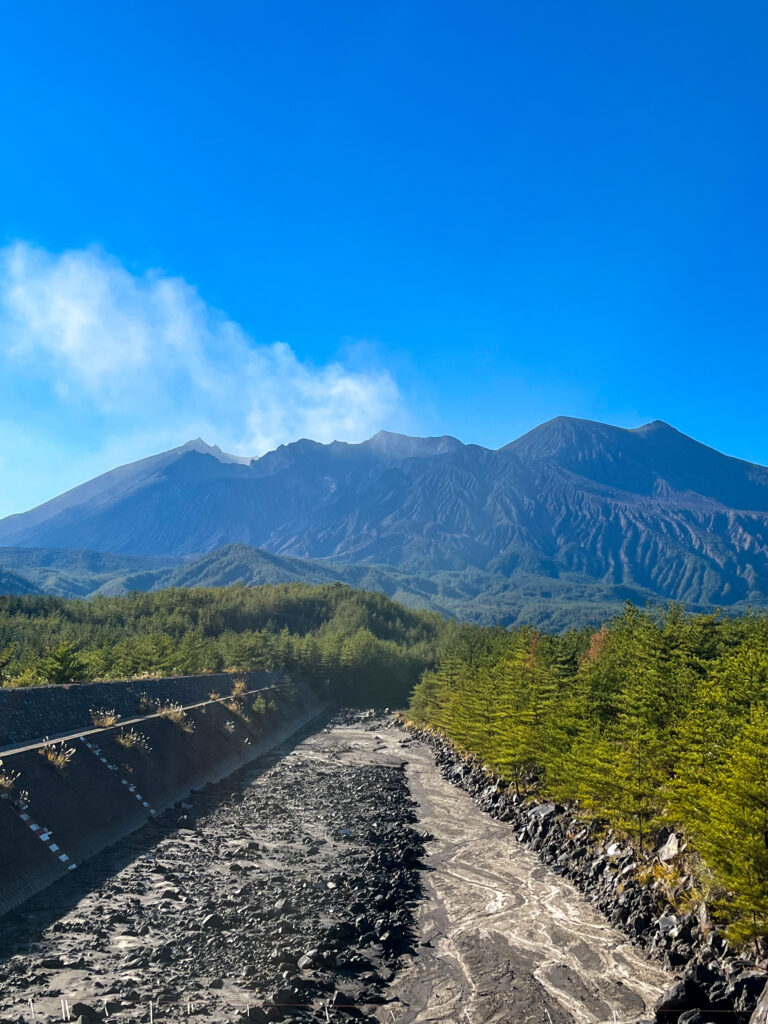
column 717, row 985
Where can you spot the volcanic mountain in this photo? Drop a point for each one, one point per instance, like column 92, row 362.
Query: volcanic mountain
column 647, row 512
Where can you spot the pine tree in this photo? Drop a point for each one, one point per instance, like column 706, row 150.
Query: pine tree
column 735, row 838
column 62, row 664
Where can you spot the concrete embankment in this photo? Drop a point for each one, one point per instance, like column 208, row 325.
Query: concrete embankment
column 55, row 816
column 34, row 712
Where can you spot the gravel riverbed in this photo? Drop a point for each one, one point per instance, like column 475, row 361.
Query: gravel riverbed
column 284, row 892
column 339, row 878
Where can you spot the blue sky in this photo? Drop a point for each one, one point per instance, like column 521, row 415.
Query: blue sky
column 254, row 221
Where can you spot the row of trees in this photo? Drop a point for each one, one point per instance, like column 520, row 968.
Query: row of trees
column 654, row 720
column 354, row 646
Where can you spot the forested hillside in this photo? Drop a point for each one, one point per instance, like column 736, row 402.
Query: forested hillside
column 654, row 720
column 355, row 646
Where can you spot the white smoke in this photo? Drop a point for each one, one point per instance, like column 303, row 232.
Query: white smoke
column 147, row 350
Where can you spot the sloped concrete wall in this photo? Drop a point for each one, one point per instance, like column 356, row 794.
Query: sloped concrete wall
column 33, row 712
column 107, row 790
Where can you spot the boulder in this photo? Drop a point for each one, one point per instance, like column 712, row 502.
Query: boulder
column 86, row 1013
column 684, row 995
column 212, row 922
column 760, row 1012
column 670, row 849
column 748, row 988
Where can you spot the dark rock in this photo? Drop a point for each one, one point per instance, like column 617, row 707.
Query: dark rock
column 692, row 1017
column 747, row 989
column 688, row 994
column 542, row 812
column 86, row 1013
column 254, row 1014
column 51, row 963
column 212, row 922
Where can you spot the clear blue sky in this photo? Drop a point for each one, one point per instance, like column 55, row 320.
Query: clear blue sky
column 454, row 218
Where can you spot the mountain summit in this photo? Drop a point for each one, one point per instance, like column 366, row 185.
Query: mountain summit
column 648, row 508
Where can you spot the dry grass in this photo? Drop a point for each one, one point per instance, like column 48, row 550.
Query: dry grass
column 146, row 704
column 175, row 713
column 104, row 719
column 239, row 687
column 213, row 695
column 237, row 709
column 8, row 780
column 133, row 740
column 681, row 890
column 668, row 876
column 57, row 754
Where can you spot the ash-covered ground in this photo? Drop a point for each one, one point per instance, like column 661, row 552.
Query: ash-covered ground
column 285, row 892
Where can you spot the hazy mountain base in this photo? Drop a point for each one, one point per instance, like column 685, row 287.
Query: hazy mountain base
column 553, row 603
column 63, row 573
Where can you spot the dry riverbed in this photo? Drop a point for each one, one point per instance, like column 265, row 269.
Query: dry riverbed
column 309, row 887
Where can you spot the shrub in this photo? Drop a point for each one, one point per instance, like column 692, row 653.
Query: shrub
column 239, row 687
column 29, row 677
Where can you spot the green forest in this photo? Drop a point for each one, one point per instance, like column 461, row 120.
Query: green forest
column 354, row 646
column 657, row 719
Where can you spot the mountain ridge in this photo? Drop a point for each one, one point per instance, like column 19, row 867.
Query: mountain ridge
column 649, row 509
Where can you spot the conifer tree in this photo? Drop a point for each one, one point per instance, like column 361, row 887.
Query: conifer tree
column 735, row 837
